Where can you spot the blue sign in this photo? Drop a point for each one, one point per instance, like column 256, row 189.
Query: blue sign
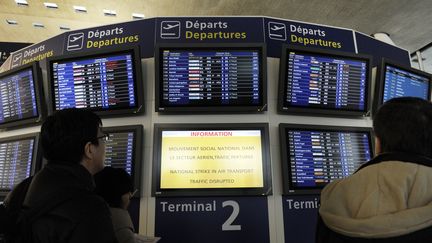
column 379, row 49
column 278, row 32
column 218, row 219
column 209, row 29
column 116, row 35
column 38, row 52
column 300, row 215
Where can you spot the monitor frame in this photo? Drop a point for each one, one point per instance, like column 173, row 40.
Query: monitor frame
column 159, row 107
column 37, row 153
column 138, row 77
column 306, row 110
column 39, row 96
column 288, row 188
column 137, row 153
column 187, row 192
column 380, row 80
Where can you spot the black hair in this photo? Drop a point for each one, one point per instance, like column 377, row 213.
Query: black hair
column 65, row 134
column 405, row 125
column 111, row 184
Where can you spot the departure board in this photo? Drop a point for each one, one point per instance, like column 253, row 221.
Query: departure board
column 119, row 150
column 15, row 162
column 319, row 157
column 315, row 155
column 319, row 80
column 210, row 77
column 402, row 83
column 103, row 82
column 17, row 96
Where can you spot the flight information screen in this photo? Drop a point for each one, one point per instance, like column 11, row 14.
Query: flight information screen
column 15, row 162
column 119, row 150
column 328, row 82
column 17, row 96
column 319, row 157
column 401, row 83
column 97, row 83
column 194, row 78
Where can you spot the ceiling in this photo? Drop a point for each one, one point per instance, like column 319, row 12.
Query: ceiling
column 406, row 21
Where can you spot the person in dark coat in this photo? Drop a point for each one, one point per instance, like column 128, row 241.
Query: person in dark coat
column 388, row 199
column 74, row 146
column 116, row 187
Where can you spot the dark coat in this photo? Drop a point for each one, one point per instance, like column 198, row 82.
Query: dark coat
column 389, row 199
column 83, row 218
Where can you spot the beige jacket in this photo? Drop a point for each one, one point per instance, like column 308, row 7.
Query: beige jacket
column 387, row 199
column 123, row 226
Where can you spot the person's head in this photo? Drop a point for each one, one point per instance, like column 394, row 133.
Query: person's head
column 404, row 125
column 74, row 136
column 115, row 186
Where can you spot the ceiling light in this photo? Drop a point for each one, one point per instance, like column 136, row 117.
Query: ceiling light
column 22, row 2
column 80, row 9
column 51, row 5
column 64, row 28
column 12, row 22
column 137, row 16
column 108, row 12
column 38, row 25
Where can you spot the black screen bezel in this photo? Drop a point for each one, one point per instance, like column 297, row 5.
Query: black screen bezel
column 283, row 76
column 160, row 107
column 39, row 96
column 265, row 146
column 111, row 112
column 288, row 187
column 380, row 80
column 36, row 163
column 137, row 152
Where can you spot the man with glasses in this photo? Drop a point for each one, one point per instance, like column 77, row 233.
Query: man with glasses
column 62, row 193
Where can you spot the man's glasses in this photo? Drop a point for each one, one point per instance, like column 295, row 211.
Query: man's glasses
column 104, row 138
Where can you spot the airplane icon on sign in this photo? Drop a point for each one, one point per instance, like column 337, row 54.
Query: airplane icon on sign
column 169, row 26
column 74, row 38
column 170, row 30
column 277, row 31
column 275, row 27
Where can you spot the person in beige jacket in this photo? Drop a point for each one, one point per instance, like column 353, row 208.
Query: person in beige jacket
column 388, row 199
column 115, row 186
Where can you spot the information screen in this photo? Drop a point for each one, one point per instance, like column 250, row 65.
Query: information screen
column 402, row 83
column 99, row 82
column 326, row 81
column 210, row 77
column 119, row 150
column 212, row 158
column 15, row 162
column 18, row 96
column 316, row 156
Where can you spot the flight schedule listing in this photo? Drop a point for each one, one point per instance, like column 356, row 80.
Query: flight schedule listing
column 17, row 97
column 97, row 83
column 400, row 83
column 325, row 82
column 119, row 150
column 211, row 78
column 319, row 157
column 15, row 162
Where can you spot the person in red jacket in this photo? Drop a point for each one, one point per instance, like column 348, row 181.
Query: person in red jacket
column 388, row 199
